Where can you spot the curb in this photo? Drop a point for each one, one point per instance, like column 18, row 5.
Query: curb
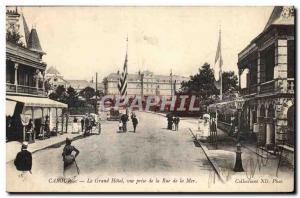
column 211, row 161
column 57, row 144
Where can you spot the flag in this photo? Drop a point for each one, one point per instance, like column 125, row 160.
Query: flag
column 218, row 64
column 122, row 85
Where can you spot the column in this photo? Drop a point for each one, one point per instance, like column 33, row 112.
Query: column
column 16, row 76
column 258, row 73
column 43, row 74
column 280, row 70
column 37, row 79
column 34, row 132
column 56, row 121
column 251, row 119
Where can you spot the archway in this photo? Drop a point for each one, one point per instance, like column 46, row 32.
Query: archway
column 270, row 132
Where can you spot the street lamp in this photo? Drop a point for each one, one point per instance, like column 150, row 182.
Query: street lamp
column 238, row 167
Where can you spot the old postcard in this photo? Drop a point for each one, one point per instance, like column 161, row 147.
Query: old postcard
column 150, row 99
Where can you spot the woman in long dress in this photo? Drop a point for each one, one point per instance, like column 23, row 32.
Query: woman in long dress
column 75, row 126
column 70, row 165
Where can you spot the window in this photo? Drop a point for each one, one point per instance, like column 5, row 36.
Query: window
column 267, row 64
column 291, row 59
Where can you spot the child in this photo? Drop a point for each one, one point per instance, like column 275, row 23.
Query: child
column 120, row 126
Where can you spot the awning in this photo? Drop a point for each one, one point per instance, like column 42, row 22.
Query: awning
column 36, row 101
column 10, row 107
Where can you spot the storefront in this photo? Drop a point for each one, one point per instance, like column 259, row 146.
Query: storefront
column 21, row 110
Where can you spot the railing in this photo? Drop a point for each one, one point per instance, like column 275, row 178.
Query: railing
column 24, row 89
column 283, row 85
column 267, row 87
column 246, row 91
column 253, row 89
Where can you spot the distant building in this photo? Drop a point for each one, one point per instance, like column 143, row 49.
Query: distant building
column 54, row 78
column 79, row 85
column 25, row 76
column 153, row 84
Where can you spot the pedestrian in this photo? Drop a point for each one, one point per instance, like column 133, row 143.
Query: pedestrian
column 120, row 126
column 170, row 122
column 68, row 157
column 124, row 119
column 75, row 126
column 87, row 125
column 134, row 122
column 23, row 161
column 176, row 121
column 46, row 128
column 82, row 124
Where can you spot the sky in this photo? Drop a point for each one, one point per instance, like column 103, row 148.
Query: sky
column 80, row 41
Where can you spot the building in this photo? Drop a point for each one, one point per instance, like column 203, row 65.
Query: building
column 146, row 83
column 79, row 85
column 270, row 88
column 54, row 78
column 25, row 75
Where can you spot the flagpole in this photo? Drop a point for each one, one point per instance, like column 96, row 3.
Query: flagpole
column 220, row 65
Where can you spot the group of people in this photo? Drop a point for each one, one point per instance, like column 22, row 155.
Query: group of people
column 124, row 119
column 87, row 124
column 23, row 160
column 173, row 121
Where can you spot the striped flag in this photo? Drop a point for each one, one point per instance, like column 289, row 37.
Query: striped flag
column 218, row 65
column 122, row 85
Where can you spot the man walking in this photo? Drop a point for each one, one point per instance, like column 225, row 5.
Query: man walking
column 23, row 161
column 82, row 124
column 124, row 119
column 87, row 125
column 176, row 121
column 134, row 122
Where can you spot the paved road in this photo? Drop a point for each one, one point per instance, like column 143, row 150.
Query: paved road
column 152, row 149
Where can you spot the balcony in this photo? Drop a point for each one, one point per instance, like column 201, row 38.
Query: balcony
column 286, row 85
column 247, row 91
column 22, row 89
column 267, row 87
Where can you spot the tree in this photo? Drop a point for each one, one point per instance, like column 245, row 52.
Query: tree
column 201, row 84
column 59, row 94
column 13, row 36
column 87, row 93
column 72, row 97
column 229, row 81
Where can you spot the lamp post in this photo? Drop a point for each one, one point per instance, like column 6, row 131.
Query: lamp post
column 238, row 167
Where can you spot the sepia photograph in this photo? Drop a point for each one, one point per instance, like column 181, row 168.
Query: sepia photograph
column 155, row 99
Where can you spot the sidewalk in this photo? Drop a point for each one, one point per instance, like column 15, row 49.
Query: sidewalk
column 12, row 148
column 255, row 165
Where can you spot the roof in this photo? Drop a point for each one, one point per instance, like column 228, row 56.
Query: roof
column 52, row 70
column 34, row 42
column 281, row 15
column 136, row 77
column 37, row 101
column 26, row 30
column 81, row 84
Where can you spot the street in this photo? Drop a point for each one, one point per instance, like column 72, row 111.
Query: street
column 152, row 149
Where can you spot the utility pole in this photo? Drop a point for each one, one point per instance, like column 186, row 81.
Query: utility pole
column 96, row 110
column 142, row 84
column 171, row 83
